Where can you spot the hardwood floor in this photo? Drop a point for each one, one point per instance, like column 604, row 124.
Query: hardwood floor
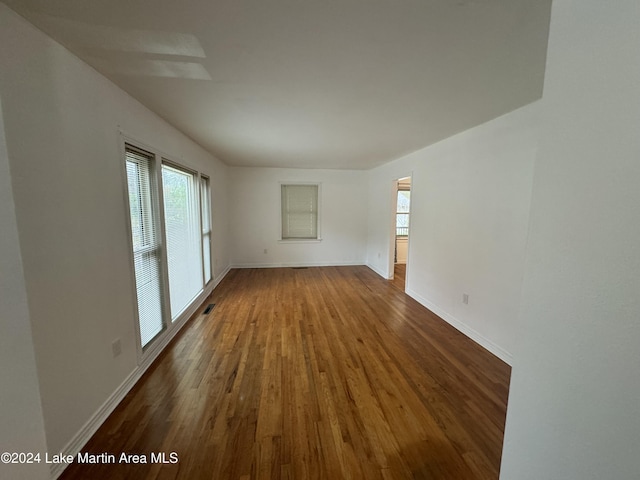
column 318, row 373
column 399, row 276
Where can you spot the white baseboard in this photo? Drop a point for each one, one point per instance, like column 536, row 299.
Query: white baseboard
column 295, row 264
column 481, row 340
column 85, row 433
column 378, row 271
column 218, row 279
column 88, row 429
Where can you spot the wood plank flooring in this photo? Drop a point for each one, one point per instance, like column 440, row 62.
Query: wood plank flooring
column 318, row 373
column 399, row 276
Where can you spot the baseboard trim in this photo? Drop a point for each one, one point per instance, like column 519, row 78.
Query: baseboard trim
column 219, row 278
column 295, row 264
column 88, row 429
column 477, row 337
column 92, row 425
column 378, row 271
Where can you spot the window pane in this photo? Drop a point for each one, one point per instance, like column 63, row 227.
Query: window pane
column 206, row 228
column 147, row 267
column 402, row 209
column 146, row 250
column 299, row 211
column 404, row 200
column 135, row 203
column 402, row 220
column 183, row 237
column 206, row 254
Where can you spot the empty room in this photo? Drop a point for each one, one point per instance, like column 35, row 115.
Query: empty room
column 319, row 240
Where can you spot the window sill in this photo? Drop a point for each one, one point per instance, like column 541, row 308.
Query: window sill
column 300, row 240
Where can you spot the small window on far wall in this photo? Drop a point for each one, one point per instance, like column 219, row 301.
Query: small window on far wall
column 299, row 212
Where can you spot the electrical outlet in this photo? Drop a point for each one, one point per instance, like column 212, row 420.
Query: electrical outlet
column 465, row 299
column 116, row 347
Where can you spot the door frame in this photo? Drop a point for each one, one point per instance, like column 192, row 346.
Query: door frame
column 392, row 238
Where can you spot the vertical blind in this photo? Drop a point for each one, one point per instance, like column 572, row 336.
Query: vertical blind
column 146, row 245
column 299, row 211
column 205, row 207
column 183, row 237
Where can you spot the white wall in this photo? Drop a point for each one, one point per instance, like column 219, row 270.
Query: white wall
column 254, row 217
column 21, row 423
column 470, row 199
column 62, row 122
column 574, row 406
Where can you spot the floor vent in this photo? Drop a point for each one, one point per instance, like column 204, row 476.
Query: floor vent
column 209, row 308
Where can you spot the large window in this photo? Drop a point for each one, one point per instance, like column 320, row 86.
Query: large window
column 169, row 214
column 146, row 246
column 299, row 212
column 182, row 231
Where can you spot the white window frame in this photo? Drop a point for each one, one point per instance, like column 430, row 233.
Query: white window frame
column 208, row 232
column 318, row 217
column 158, row 219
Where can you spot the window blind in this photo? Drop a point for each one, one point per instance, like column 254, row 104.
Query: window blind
column 146, row 247
column 183, row 236
column 299, row 211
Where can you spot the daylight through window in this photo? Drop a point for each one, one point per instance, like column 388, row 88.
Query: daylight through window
column 170, row 220
column 299, row 212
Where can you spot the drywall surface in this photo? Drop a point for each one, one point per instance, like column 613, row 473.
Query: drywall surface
column 470, row 199
column 254, row 218
column 21, row 423
column 575, row 393
column 63, row 122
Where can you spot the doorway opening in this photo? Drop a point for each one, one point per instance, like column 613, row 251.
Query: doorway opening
column 401, row 231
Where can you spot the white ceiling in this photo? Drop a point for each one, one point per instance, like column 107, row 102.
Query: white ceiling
column 311, row 83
